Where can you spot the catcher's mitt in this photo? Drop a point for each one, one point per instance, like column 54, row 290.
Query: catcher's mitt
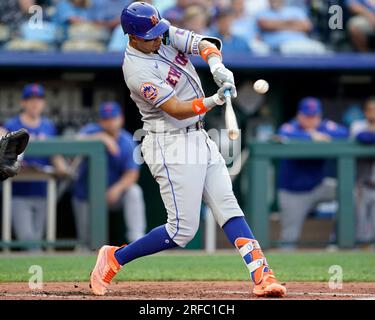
column 12, row 145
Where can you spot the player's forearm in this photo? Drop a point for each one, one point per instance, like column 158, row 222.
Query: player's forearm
column 127, row 180
column 187, row 109
column 214, row 59
column 204, row 45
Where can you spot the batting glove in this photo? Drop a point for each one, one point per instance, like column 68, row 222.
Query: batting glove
column 227, row 86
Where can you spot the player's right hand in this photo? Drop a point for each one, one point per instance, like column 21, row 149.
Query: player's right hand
column 227, row 86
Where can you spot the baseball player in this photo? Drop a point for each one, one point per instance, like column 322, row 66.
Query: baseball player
column 29, row 203
column 302, row 182
column 182, row 158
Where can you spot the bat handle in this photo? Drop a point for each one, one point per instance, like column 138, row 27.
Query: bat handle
column 227, row 93
column 228, row 99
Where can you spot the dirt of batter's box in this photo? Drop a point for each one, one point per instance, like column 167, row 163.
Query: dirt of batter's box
column 183, row 290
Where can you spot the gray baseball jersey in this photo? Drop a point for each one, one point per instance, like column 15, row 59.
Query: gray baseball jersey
column 154, row 78
column 187, row 166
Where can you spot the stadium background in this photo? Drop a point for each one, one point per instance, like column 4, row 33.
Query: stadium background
column 76, row 81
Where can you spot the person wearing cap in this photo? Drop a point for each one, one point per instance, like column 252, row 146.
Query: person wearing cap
column 122, row 172
column 302, row 184
column 29, row 198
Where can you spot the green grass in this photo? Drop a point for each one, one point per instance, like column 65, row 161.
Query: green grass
column 309, row 266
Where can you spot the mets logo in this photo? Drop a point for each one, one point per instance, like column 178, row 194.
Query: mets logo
column 149, row 91
column 154, row 20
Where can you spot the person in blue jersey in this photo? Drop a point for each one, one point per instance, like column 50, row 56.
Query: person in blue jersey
column 122, row 172
column 363, row 131
column 29, row 198
column 302, row 184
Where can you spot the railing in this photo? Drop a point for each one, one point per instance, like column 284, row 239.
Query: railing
column 97, row 180
column 345, row 153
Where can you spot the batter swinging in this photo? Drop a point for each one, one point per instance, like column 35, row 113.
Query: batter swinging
column 185, row 162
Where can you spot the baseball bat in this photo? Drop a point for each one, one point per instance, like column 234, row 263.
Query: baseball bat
column 230, row 118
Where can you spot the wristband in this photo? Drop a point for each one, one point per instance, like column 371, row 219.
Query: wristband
column 207, row 51
column 198, row 106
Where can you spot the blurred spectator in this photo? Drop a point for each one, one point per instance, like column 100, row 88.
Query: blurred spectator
column 122, row 172
column 301, row 182
column 175, row 14
column 253, row 7
column 364, row 132
column 119, row 40
column 81, row 32
column 163, row 5
column 362, row 25
column 195, row 18
column 107, row 13
column 29, row 198
column 222, row 30
column 70, row 12
column 244, row 23
column 285, row 29
column 14, row 12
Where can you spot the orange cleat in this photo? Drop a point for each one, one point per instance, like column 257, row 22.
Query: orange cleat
column 105, row 269
column 265, row 283
column 269, row 287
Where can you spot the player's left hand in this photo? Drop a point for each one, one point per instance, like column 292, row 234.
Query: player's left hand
column 222, row 75
column 227, row 86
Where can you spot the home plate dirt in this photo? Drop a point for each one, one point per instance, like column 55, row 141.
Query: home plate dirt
column 181, row 290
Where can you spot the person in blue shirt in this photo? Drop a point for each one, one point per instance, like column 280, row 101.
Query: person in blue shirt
column 362, row 25
column 122, row 172
column 285, row 29
column 363, row 131
column 106, row 12
column 72, row 11
column 222, row 30
column 245, row 25
column 29, row 198
column 301, row 183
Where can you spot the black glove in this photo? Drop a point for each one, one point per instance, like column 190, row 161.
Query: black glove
column 12, row 145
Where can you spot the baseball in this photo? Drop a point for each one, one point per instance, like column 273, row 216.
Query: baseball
column 261, row 86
